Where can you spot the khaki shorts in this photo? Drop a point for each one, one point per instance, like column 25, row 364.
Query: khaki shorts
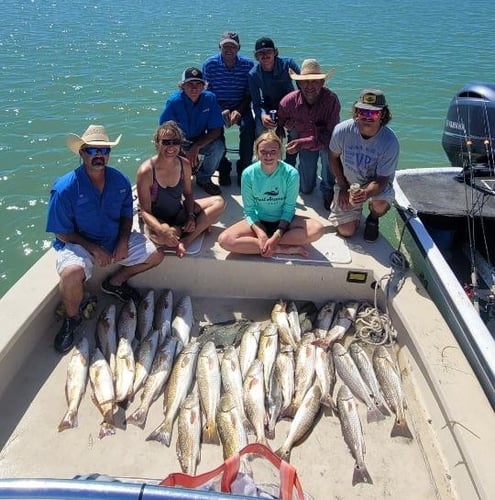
column 139, row 251
column 338, row 216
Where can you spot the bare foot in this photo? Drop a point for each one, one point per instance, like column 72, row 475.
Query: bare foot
column 293, row 250
column 180, row 250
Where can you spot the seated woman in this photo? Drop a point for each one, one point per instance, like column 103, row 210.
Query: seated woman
column 269, row 191
column 172, row 218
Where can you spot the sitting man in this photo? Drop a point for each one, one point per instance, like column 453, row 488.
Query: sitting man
column 199, row 116
column 91, row 213
column 227, row 77
column 311, row 114
column 364, row 153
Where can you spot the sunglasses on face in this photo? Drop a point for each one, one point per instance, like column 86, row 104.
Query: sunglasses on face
column 370, row 114
column 95, row 151
column 170, row 142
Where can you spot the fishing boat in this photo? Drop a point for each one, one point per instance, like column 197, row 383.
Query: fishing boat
column 446, row 221
column 448, row 412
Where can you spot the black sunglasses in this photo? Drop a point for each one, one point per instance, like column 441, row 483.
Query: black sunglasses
column 170, row 142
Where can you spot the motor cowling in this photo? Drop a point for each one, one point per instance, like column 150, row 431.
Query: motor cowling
column 469, row 130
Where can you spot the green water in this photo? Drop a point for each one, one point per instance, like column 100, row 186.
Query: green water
column 66, row 64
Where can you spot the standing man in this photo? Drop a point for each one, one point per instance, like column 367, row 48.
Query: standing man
column 269, row 81
column 90, row 212
column 199, row 116
column 227, row 77
column 311, row 114
column 364, row 153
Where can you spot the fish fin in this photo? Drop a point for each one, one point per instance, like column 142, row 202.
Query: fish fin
column 69, row 421
column 138, row 417
column 401, row 429
column 374, row 414
column 209, row 433
column 106, row 429
column 162, row 434
column 361, row 475
column 383, row 409
column 327, row 400
column 290, row 411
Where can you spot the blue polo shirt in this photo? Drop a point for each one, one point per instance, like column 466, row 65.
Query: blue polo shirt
column 195, row 119
column 230, row 85
column 76, row 206
column 268, row 87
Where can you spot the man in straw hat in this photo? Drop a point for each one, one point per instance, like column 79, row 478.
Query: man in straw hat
column 364, row 153
column 311, row 114
column 90, row 212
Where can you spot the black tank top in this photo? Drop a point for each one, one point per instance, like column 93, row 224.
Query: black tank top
column 166, row 202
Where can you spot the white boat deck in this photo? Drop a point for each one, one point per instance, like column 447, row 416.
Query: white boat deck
column 452, row 422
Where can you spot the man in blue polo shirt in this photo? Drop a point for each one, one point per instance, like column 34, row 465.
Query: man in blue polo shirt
column 199, row 116
column 227, row 77
column 90, row 212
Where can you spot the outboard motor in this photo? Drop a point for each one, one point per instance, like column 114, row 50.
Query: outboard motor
column 469, row 131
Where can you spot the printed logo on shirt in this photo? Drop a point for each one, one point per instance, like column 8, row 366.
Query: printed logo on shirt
column 206, row 110
column 273, row 192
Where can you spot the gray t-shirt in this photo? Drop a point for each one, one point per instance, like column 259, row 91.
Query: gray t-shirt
column 365, row 159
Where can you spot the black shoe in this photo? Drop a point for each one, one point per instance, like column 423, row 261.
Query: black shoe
column 64, row 339
column 371, row 229
column 209, row 187
column 224, row 179
column 124, row 292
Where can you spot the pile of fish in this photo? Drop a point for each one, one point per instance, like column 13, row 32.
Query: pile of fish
column 283, row 368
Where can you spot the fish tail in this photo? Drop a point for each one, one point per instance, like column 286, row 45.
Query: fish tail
column 361, row 475
column 262, row 440
column 106, row 429
column 327, row 400
column 383, row 409
column 270, row 432
column 209, row 433
column 138, row 417
column 248, row 426
column 162, row 434
column 290, row 411
column 69, row 421
column 374, row 414
column 401, row 428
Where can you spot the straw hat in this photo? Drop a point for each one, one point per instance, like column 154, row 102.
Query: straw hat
column 311, row 70
column 95, row 135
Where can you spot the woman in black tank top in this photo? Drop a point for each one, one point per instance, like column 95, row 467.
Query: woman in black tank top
column 171, row 216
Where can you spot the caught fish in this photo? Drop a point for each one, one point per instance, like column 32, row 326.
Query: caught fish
column 249, row 347
column 144, row 358
column 230, row 426
column 325, row 374
column 224, row 333
column 127, row 321
column 254, row 400
column 324, row 319
column 267, row 352
column 125, row 369
column 145, row 313
column 155, row 382
column 349, row 373
column 341, row 324
column 293, row 317
column 162, row 319
column 75, row 385
column 275, row 401
column 106, row 334
column 352, row 431
column 305, row 323
column 178, row 387
column 183, row 320
column 366, row 370
column 284, row 374
column 388, row 376
column 304, row 374
column 280, row 318
column 103, row 396
column 209, row 382
column 232, row 380
column 189, row 433
column 303, row 422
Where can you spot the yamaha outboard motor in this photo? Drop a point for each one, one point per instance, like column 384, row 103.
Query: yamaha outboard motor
column 469, row 131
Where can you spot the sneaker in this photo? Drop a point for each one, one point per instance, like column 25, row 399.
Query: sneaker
column 371, row 229
column 64, row 340
column 209, row 187
column 224, row 179
column 124, row 292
